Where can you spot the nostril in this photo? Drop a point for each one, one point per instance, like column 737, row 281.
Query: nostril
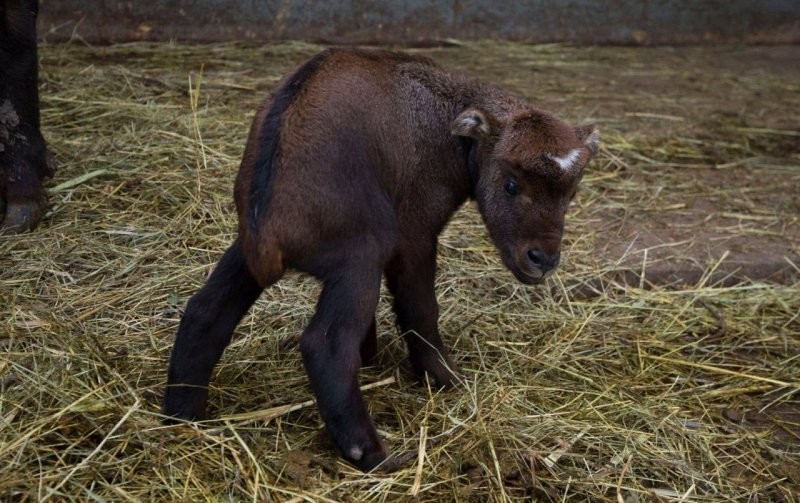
column 537, row 257
column 542, row 260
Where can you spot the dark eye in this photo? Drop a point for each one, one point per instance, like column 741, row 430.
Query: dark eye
column 512, row 188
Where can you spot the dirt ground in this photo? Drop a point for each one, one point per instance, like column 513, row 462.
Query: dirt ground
column 720, row 165
column 658, row 364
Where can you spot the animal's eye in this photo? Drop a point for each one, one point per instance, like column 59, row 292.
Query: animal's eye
column 512, row 187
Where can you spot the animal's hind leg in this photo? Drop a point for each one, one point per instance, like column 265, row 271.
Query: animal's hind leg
column 369, row 346
column 410, row 278
column 205, row 330
column 331, row 355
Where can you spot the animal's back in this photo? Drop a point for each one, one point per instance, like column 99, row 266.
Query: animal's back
column 342, row 136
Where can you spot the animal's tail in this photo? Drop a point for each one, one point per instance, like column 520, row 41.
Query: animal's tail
column 268, row 146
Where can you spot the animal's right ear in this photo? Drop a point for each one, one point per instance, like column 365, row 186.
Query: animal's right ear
column 473, row 123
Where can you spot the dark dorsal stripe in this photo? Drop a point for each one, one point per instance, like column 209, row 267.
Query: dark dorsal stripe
column 270, row 138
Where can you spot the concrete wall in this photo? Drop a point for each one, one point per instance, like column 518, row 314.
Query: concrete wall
column 424, row 21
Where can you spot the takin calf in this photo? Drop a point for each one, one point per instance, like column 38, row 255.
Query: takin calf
column 351, row 171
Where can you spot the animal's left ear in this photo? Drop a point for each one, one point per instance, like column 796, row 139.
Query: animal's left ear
column 474, row 123
column 589, row 135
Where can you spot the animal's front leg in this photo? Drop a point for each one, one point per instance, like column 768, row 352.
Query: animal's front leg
column 24, row 165
column 24, row 160
column 410, row 277
column 331, row 355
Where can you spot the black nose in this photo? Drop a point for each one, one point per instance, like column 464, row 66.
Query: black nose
column 542, row 260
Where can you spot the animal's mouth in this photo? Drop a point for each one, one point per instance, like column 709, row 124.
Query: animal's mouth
column 528, row 275
column 525, row 270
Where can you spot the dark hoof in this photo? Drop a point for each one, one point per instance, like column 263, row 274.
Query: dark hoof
column 440, row 374
column 447, row 381
column 184, row 405
column 172, row 420
column 365, row 457
column 367, row 461
column 22, row 217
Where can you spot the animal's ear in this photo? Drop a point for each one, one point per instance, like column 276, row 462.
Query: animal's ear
column 473, row 123
column 589, row 135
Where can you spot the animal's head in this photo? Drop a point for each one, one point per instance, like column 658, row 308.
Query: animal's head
column 528, row 169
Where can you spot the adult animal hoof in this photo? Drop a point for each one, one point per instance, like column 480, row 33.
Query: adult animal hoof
column 22, row 216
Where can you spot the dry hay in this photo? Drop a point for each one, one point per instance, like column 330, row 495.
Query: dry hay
column 683, row 394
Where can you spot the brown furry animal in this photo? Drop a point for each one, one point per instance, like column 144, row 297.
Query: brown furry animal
column 351, row 171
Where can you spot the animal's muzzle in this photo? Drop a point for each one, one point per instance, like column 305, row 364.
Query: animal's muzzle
column 543, row 261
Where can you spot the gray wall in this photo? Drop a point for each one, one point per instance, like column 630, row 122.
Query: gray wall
column 424, row 21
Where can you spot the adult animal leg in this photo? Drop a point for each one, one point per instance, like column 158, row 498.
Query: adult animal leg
column 410, row 277
column 205, row 331
column 23, row 153
column 331, row 355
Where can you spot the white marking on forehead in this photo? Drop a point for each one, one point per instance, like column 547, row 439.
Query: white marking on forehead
column 566, row 161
